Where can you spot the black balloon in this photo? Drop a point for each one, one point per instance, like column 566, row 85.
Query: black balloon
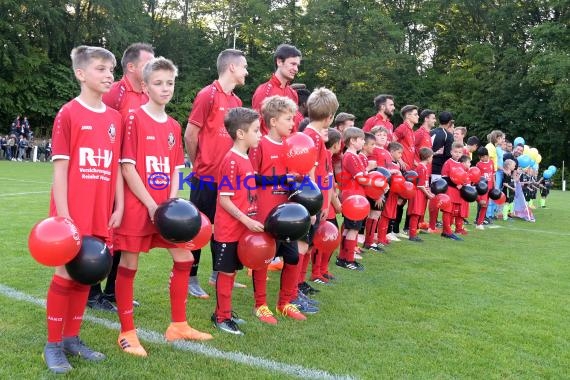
column 439, row 186
column 482, row 187
column 385, row 172
column 177, row 220
column 468, row 193
column 93, row 262
column 308, row 194
column 495, row 194
column 411, row 176
column 288, row 222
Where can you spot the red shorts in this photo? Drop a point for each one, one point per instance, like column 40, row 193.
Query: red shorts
column 145, row 243
column 390, row 206
column 464, row 209
column 417, row 205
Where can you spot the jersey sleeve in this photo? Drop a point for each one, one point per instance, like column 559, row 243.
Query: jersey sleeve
column 129, row 146
column 445, row 169
column 179, row 155
column 255, row 155
column 353, row 165
column 114, row 97
column 61, row 135
column 229, row 171
column 201, row 108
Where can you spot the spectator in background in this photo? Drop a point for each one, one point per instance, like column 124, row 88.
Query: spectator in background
column 22, row 146
column 4, row 146
column 12, row 148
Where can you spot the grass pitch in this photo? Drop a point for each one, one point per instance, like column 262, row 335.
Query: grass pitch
column 493, row 306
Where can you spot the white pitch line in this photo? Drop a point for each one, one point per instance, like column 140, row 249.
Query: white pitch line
column 25, row 193
column 538, row 231
column 198, row 348
column 24, row 180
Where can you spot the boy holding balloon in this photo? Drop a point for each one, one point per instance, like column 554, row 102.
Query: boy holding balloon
column 454, row 172
column 82, row 127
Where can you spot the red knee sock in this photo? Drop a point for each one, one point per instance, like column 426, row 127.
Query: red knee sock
column 446, row 223
column 383, row 230
column 316, row 263
column 57, row 305
column 414, row 220
column 304, row 264
column 350, row 247
column 75, row 310
column 458, row 223
column 179, row 278
column 481, row 216
column 288, row 287
column 124, row 294
column 324, row 264
column 224, row 287
column 259, row 278
column 370, row 230
column 433, row 217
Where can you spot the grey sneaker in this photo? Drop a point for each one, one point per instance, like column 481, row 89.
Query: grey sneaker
column 237, row 320
column 304, row 307
column 100, row 302
column 55, row 358
column 75, row 347
column 195, row 290
column 227, row 325
column 307, row 299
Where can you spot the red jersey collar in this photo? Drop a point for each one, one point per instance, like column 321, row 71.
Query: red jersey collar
column 129, row 85
column 276, row 82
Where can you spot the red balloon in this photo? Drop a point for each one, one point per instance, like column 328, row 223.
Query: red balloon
column 54, row 241
column 256, row 249
column 459, row 176
column 355, row 207
column 327, row 238
column 377, row 180
column 408, row 190
column 474, row 174
column 203, row 237
column 396, row 183
column 443, row 202
column 300, row 153
column 501, row 200
column 373, row 192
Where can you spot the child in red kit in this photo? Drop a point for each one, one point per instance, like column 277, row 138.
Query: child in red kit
column 464, row 213
column 84, row 131
column 453, row 193
column 417, row 205
column 487, row 169
column 391, row 204
column 142, row 156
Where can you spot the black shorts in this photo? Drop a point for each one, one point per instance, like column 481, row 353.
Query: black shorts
column 544, row 192
column 225, row 257
column 353, row 224
column 333, row 221
column 308, row 238
column 373, row 206
column 204, row 195
column 289, row 251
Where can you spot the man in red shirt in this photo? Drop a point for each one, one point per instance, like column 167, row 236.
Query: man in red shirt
column 287, row 59
column 125, row 95
column 384, row 105
column 422, row 138
column 207, row 140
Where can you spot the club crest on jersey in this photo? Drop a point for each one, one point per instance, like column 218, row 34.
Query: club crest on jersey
column 171, row 140
column 112, row 131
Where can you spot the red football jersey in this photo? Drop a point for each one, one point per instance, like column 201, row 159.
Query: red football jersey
column 422, row 139
column 381, row 156
column 153, row 146
column 417, row 205
column 453, row 192
column 378, row 120
column 321, row 169
column 271, row 88
column 327, row 184
column 487, row 172
column 351, row 168
column 237, row 180
column 404, row 134
column 124, row 98
column 90, row 139
column 208, row 112
column 266, row 161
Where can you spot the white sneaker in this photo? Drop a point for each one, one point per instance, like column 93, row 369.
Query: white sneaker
column 392, row 237
column 357, row 256
column 404, row 235
column 479, row 227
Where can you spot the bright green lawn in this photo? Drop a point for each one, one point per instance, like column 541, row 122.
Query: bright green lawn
column 493, row 306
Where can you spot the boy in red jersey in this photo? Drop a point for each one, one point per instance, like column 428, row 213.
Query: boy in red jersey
column 417, row 205
column 271, row 173
column 391, row 204
column 207, row 141
column 373, row 155
column 354, row 171
column 342, row 121
column 287, row 59
column 464, row 211
column 152, row 144
column 86, row 138
column 453, row 192
column 487, row 169
column 384, row 105
column 237, row 205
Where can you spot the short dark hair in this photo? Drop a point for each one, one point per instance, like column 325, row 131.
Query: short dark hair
column 425, row 113
column 369, row 137
column 473, row 140
column 394, row 146
column 303, row 124
column 285, row 51
column 482, row 151
column 342, row 117
column 445, row 117
column 381, row 100
column 407, row 109
column 425, row 153
column 334, row 137
column 303, row 94
column 239, row 118
column 133, row 52
column 464, row 158
column 227, row 57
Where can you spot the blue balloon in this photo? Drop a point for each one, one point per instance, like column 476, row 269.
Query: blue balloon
column 518, row 140
column 524, row 161
column 547, row 174
column 552, row 168
column 535, row 166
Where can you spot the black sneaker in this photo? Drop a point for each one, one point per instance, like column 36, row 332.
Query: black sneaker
column 99, row 302
column 111, row 298
column 439, row 224
column 237, row 320
column 355, row 265
column 373, row 248
column 466, row 222
column 227, row 325
column 75, row 347
column 307, row 289
column 415, row 239
column 329, row 277
column 342, row 263
column 55, row 358
column 451, row 236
